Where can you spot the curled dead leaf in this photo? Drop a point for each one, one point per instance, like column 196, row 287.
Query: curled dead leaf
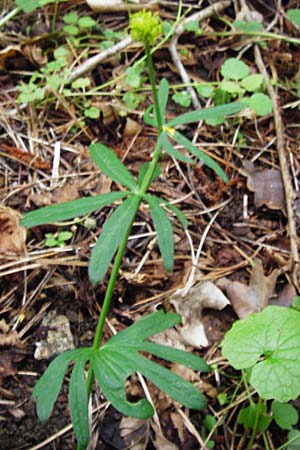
column 201, row 295
column 267, row 186
column 253, row 298
column 12, row 235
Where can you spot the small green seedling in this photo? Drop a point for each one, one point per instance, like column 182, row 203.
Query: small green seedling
column 113, row 362
column 58, row 239
column 53, row 75
column 74, row 24
column 237, row 83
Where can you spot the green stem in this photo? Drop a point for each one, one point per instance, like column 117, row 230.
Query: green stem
column 119, row 256
column 255, row 426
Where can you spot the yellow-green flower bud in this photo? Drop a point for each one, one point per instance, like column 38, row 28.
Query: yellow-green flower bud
column 145, row 27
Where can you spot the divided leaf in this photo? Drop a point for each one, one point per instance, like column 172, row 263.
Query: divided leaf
column 107, row 161
column 269, row 341
column 69, row 210
column 163, row 227
column 119, row 358
column 114, row 230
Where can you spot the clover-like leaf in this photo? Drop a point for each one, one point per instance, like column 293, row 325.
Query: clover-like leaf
column 78, row 401
column 107, row 161
column 69, row 210
column 260, row 103
column 269, row 341
column 234, row 69
column 207, row 160
column 119, row 358
column 114, row 230
column 208, row 113
column 163, row 228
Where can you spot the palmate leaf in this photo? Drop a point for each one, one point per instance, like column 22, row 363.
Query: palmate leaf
column 112, row 364
column 69, row 210
column 114, row 230
column 163, row 228
column 207, row 160
column 119, row 358
column 208, row 113
column 107, row 161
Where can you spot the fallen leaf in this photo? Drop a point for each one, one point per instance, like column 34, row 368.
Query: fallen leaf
column 253, row 298
column 201, row 295
column 160, row 442
column 135, row 432
column 12, row 235
column 285, row 296
column 267, row 186
column 65, row 193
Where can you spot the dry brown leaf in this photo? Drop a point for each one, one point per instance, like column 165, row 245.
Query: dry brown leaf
column 135, row 432
column 160, row 442
column 267, row 186
column 66, row 193
column 202, row 295
column 253, row 298
column 285, row 296
column 12, row 235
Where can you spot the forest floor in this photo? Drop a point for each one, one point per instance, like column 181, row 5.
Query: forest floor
column 238, row 238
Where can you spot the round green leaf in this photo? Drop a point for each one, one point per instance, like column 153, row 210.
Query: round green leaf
column 205, row 90
column 285, row 415
column 271, row 337
column 234, row 69
column 261, row 104
column 231, row 87
column 253, row 82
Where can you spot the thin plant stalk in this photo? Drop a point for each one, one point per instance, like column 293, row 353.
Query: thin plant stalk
column 119, row 256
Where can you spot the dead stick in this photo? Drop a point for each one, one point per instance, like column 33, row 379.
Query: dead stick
column 198, row 16
column 290, row 195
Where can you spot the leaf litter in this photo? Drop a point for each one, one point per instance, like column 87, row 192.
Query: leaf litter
column 35, row 128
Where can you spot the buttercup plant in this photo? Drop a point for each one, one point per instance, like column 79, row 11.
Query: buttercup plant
column 113, row 362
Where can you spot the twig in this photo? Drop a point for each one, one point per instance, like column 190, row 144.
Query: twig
column 198, row 16
column 91, row 63
column 290, row 195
